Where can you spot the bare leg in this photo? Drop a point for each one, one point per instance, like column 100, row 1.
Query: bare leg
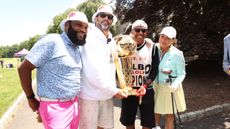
column 169, row 124
column 157, row 119
column 99, row 127
column 130, row 127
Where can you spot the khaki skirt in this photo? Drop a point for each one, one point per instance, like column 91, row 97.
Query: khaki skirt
column 163, row 99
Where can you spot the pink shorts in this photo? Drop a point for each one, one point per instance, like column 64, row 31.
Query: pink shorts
column 60, row 115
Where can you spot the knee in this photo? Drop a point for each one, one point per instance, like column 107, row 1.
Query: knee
column 169, row 117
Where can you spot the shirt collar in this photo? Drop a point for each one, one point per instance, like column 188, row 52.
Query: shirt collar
column 67, row 40
column 170, row 48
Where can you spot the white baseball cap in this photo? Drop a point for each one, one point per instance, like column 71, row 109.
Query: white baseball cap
column 140, row 23
column 169, row 31
column 74, row 16
column 106, row 9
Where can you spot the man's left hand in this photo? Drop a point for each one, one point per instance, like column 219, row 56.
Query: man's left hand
column 141, row 91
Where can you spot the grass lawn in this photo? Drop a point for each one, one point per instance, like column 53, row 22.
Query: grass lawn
column 10, row 87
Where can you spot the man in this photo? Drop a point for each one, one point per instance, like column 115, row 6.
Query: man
column 58, row 62
column 145, row 68
column 226, row 58
column 98, row 75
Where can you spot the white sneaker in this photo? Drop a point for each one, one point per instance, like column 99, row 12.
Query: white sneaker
column 157, row 127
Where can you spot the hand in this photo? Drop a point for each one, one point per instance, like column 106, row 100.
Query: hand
column 141, row 91
column 154, row 88
column 173, row 88
column 34, row 104
column 120, row 94
column 228, row 71
column 39, row 119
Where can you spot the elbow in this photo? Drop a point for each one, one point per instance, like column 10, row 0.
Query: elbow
column 20, row 70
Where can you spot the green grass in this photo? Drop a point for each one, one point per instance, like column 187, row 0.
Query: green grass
column 10, row 87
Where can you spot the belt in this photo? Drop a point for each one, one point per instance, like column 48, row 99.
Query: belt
column 56, row 100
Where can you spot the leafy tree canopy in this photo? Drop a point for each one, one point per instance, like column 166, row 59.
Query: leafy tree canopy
column 201, row 24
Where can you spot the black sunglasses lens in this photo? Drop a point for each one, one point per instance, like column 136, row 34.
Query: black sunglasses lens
column 110, row 17
column 103, row 15
column 143, row 30
column 137, row 30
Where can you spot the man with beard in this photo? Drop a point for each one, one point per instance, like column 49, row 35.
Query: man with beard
column 98, row 75
column 58, row 62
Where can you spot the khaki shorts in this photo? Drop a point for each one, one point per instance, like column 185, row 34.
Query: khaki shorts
column 96, row 113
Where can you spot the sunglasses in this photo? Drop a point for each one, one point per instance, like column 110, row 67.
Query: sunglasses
column 142, row 30
column 103, row 15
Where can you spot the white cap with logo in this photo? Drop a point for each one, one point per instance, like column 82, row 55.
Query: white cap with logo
column 140, row 23
column 169, row 31
column 106, row 9
column 74, row 16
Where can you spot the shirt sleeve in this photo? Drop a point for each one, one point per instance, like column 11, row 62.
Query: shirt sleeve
column 41, row 52
column 180, row 69
column 154, row 64
column 226, row 60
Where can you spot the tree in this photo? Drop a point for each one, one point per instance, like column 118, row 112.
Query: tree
column 54, row 26
column 201, row 24
column 88, row 7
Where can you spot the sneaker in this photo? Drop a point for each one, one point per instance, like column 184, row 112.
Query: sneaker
column 157, row 127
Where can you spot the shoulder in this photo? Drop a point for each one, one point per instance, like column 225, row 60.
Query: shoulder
column 175, row 51
column 48, row 40
column 149, row 42
column 227, row 38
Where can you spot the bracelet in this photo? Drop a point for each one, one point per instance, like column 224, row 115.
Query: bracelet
column 30, row 96
column 145, row 86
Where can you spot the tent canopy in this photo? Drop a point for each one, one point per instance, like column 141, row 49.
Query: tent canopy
column 23, row 52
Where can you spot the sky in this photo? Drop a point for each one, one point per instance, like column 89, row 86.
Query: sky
column 22, row 19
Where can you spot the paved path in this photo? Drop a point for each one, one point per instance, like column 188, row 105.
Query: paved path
column 218, row 121
column 24, row 118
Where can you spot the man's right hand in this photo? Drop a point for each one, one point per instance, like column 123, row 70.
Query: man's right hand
column 34, row 104
column 120, row 95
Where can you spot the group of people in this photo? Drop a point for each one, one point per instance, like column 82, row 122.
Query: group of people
column 76, row 77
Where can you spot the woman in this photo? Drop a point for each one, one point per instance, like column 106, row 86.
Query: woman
column 169, row 79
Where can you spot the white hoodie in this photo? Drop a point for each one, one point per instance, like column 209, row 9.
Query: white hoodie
column 98, row 75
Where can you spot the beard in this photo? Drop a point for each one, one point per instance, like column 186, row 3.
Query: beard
column 72, row 34
column 103, row 25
